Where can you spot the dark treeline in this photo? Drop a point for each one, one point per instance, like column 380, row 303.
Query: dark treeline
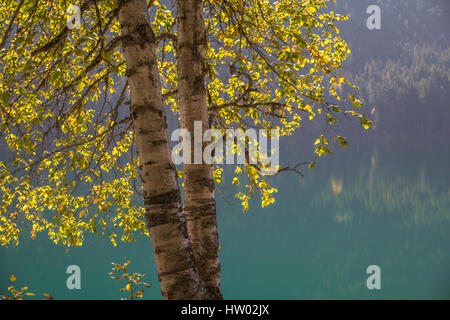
column 403, row 69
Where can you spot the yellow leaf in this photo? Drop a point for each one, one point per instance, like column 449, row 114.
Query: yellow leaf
column 128, row 287
column 12, row 278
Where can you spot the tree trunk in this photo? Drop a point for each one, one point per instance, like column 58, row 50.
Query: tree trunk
column 199, row 201
column 166, row 223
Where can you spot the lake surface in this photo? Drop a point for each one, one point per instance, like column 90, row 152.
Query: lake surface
column 384, row 203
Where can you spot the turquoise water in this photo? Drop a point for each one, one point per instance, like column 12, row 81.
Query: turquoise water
column 384, row 203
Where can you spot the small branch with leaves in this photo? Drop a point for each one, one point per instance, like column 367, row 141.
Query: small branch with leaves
column 134, row 284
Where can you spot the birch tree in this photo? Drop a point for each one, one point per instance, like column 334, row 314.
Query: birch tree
column 165, row 220
column 199, row 201
column 83, row 116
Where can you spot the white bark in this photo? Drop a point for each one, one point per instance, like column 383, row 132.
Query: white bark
column 167, row 226
column 199, row 201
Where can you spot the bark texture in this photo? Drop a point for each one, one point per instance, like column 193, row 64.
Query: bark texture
column 199, row 201
column 165, row 220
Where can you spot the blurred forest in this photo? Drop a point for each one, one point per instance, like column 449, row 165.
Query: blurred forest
column 403, row 69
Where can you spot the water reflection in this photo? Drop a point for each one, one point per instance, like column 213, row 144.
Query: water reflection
column 417, row 199
column 386, row 204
